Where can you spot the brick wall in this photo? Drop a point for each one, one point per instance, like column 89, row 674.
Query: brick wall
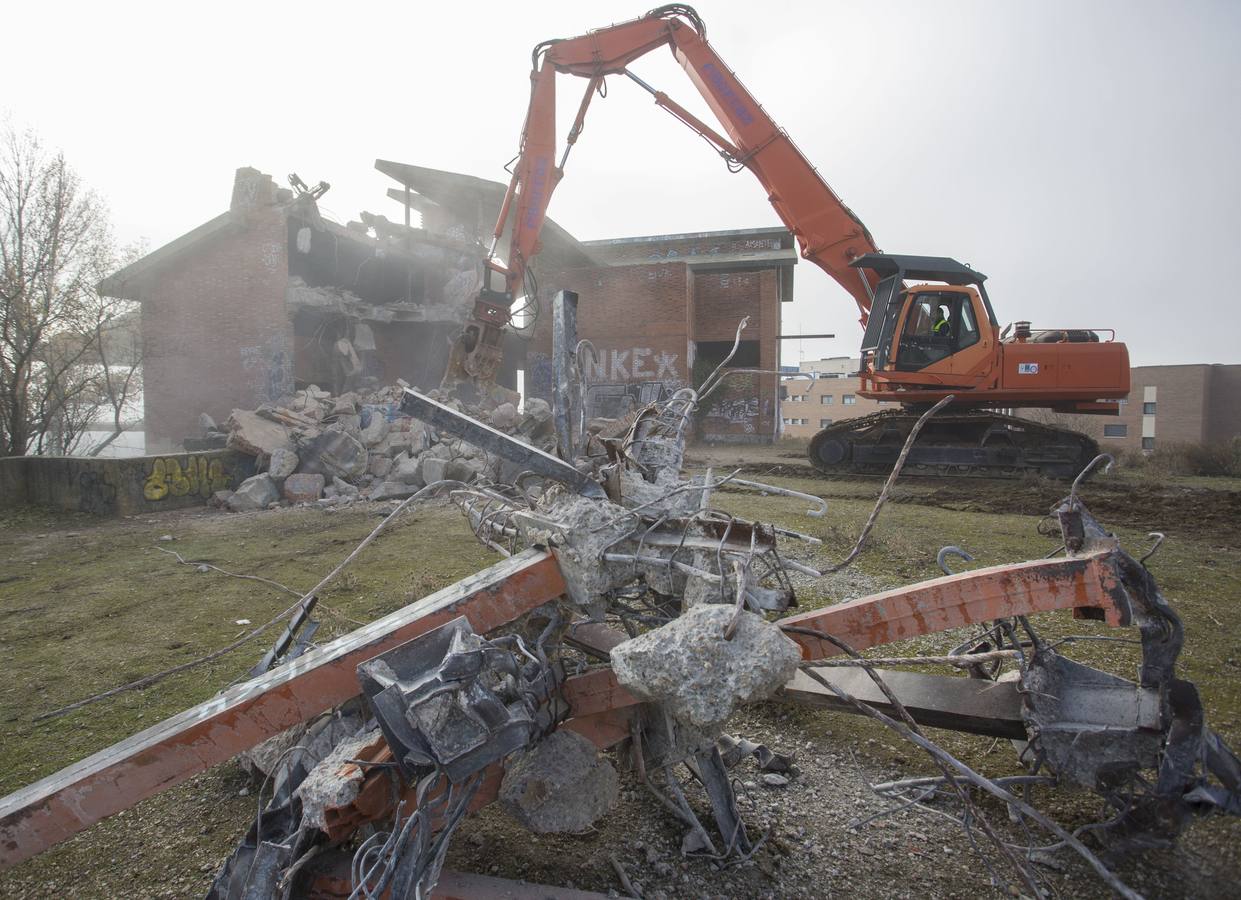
column 646, row 317
column 636, row 318
column 745, row 407
column 215, row 330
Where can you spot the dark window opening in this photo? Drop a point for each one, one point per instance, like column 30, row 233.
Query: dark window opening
column 1117, row 431
column 1148, row 443
column 1148, row 409
column 712, row 353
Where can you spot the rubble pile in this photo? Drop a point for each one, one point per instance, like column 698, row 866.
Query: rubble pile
column 331, row 450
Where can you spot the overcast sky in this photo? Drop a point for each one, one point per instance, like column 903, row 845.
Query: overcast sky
column 1084, row 155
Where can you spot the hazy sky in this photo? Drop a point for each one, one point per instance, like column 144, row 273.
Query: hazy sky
column 1084, row 155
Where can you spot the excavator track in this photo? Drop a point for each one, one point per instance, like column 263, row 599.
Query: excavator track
column 979, row 444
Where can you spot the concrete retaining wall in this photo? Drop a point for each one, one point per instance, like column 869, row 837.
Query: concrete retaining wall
column 120, row 487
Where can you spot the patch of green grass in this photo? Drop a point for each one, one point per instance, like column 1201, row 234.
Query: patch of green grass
column 94, row 604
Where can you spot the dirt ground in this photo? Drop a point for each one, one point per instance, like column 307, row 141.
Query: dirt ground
column 86, row 604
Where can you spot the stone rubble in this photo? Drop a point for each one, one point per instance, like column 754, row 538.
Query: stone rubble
column 697, row 675
column 359, row 446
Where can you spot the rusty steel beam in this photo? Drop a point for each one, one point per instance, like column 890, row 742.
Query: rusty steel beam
column 59, row 806
column 1086, row 584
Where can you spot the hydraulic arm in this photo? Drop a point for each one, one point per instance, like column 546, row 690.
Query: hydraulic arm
column 827, row 231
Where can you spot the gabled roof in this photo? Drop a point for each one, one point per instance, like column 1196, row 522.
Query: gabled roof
column 123, row 282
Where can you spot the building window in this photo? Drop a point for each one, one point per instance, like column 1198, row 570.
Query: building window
column 1115, row 430
column 848, row 399
column 787, row 421
column 827, row 399
column 1148, row 443
column 823, row 423
column 1148, row 409
column 798, row 398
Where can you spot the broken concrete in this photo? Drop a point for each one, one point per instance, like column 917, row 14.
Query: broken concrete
column 283, row 464
column 393, row 490
column 251, row 433
column 561, row 785
column 335, row 781
column 257, row 492
column 334, row 452
column 697, row 675
column 303, row 487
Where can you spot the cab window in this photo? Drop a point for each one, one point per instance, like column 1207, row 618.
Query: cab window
column 937, row 325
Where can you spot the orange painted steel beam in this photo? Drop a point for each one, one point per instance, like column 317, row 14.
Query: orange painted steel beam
column 1089, row 582
column 59, row 806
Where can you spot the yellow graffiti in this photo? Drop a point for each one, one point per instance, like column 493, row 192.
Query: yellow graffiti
column 200, row 476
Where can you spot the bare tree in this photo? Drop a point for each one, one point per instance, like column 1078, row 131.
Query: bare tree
column 55, row 247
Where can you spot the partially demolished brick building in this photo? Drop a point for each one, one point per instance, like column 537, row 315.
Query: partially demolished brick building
column 270, row 296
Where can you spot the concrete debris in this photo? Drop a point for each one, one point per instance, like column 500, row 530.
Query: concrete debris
column 697, row 675
column 334, row 452
column 406, row 468
column 561, row 785
column 375, row 430
column 303, row 487
column 251, row 433
column 344, row 488
column 283, row 464
column 207, row 423
column 256, row 492
column 392, row 490
column 362, row 439
column 504, row 416
column 335, row 781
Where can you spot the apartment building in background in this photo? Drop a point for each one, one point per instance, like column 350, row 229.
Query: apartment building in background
column 827, row 394
column 1198, row 403
column 1184, row 404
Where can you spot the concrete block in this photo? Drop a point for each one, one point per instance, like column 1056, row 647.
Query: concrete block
column 561, row 785
column 303, row 487
column 257, row 492
column 392, row 490
column 283, row 464
column 697, row 675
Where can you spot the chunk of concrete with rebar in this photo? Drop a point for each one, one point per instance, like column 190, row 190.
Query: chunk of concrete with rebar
column 697, row 675
column 561, row 785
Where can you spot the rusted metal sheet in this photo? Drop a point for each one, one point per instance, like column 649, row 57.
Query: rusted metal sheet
column 59, row 806
column 1086, row 583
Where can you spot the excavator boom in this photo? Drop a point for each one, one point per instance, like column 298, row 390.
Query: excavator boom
column 924, row 341
column 828, row 233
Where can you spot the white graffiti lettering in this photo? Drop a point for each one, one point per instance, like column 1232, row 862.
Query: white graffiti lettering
column 619, row 372
column 639, row 362
column 666, row 364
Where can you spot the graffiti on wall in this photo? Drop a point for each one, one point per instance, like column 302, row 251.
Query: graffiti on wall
column 268, row 369
column 96, row 493
column 618, row 381
column 738, row 409
column 200, row 476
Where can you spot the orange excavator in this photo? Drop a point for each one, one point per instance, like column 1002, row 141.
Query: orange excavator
column 930, row 329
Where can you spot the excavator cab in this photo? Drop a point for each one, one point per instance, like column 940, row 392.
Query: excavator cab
column 913, row 327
